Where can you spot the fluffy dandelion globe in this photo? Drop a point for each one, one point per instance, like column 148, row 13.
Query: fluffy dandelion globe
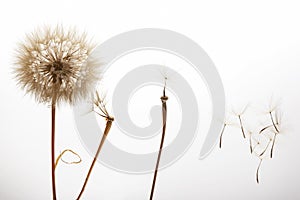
column 53, row 65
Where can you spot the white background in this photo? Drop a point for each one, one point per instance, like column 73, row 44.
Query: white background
column 255, row 46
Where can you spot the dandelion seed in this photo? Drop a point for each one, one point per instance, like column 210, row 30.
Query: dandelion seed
column 240, row 119
column 164, row 99
column 100, row 105
column 275, row 124
column 52, row 65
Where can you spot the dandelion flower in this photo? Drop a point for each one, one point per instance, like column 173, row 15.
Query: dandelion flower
column 54, row 66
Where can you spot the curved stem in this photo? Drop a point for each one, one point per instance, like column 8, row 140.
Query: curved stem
column 106, row 131
column 53, row 149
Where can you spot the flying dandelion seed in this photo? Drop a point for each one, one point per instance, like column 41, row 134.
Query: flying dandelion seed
column 239, row 115
column 263, row 141
column 276, row 123
column 53, row 66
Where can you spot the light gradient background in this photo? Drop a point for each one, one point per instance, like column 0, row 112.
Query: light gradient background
column 254, row 45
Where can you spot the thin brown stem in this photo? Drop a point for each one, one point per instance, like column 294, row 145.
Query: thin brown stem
column 222, row 131
column 242, row 127
column 272, row 148
column 106, row 131
column 53, row 149
column 257, row 170
column 164, row 99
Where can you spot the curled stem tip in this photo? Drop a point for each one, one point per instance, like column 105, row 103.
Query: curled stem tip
column 60, row 157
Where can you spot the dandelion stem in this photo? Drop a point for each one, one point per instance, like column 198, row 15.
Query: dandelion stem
column 220, row 144
column 257, row 171
column 106, row 131
column 53, row 149
column 242, row 127
column 164, row 99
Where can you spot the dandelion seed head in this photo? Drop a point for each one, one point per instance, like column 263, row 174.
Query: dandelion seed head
column 54, row 65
